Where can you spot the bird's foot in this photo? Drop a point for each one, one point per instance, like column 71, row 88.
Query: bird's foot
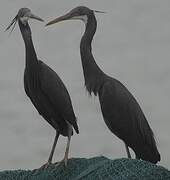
column 43, row 167
column 65, row 161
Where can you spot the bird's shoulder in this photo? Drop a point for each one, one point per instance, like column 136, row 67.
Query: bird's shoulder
column 51, row 83
column 115, row 90
column 47, row 74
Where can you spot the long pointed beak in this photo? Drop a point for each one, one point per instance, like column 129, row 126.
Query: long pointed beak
column 99, row 11
column 61, row 18
column 32, row 16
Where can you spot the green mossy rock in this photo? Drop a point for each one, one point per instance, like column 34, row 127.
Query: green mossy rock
column 93, row 169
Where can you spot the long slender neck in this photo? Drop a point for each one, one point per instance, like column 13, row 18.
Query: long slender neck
column 31, row 57
column 92, row 73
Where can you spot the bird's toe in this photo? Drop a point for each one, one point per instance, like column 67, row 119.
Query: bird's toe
column 43, row 167
column 64, row 161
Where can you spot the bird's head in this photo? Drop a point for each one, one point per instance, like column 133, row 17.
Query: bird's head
column 78, row 13
column 23, row 15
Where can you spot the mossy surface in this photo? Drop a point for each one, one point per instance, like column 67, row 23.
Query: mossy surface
column 93, row 169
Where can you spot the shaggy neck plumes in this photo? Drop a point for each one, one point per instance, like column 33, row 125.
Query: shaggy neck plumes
column 92, row 73
column 31, row 58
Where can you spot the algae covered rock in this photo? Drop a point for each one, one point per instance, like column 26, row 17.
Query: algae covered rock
column 95, row 168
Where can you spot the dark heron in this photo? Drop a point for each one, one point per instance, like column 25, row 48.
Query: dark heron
column 45, row 88
column 121, row 112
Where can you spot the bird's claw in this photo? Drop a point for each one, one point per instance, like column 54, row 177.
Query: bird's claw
column 43, row 167
column 65, row 161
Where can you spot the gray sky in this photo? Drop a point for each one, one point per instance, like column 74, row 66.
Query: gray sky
column 132, row 44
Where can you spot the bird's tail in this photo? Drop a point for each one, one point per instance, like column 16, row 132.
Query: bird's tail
column 149, row 154
column 73, row 122
column 149, row 151
column 76, row 126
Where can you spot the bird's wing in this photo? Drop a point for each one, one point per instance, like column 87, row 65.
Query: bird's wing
column 113, row 103
column 122, row 111
column 56, row 92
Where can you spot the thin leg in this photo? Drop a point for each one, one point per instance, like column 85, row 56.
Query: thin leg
column 127, row 151
column 67, row 148
column 53, row 147
column 65, row 159
column 51, row 153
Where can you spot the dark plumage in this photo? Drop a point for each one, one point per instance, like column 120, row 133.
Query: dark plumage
column 121, row 112
column 45, row 88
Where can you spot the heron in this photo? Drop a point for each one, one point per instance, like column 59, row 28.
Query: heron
column 121, row 112
column 45, row 89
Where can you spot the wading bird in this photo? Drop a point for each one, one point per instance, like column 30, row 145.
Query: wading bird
column 45, row 88
column 121, row 112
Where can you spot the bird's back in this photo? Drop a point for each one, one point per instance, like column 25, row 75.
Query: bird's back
column 125, row 118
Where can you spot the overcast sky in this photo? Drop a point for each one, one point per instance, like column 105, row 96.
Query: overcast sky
column 132, row 44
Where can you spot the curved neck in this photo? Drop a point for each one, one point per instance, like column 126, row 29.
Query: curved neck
column 31, row 57
column 92, row 73
column 90, row 30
